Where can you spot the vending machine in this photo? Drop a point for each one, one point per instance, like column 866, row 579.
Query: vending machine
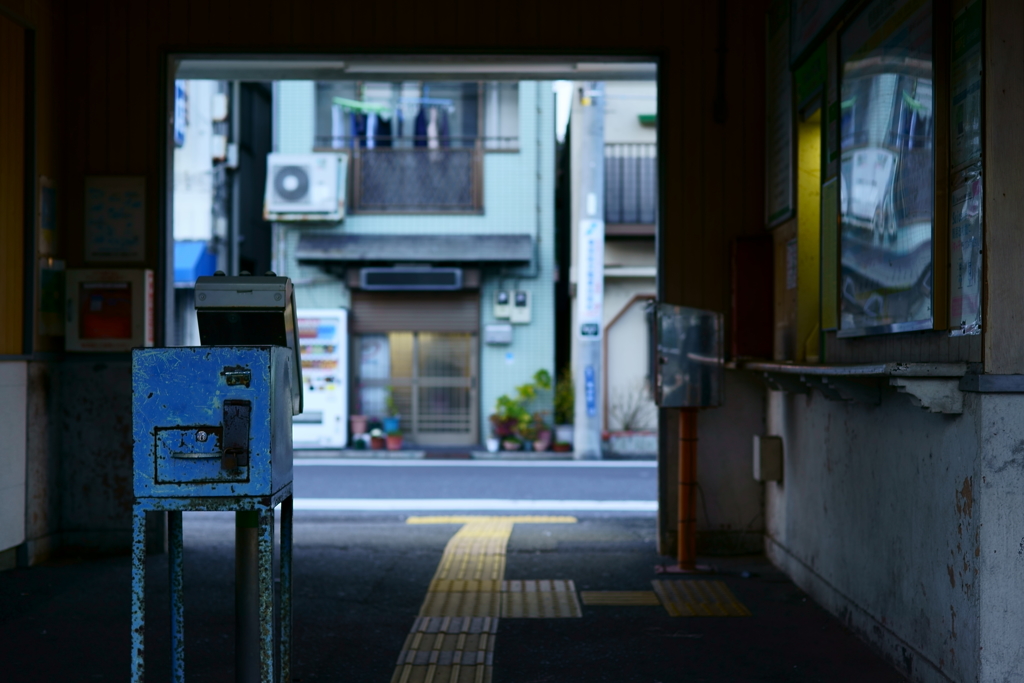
column 323, row 344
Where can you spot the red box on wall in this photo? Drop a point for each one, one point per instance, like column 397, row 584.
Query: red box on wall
column 109, row 310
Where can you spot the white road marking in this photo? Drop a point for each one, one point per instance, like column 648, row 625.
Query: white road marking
column 408, row 462
column 474, row 504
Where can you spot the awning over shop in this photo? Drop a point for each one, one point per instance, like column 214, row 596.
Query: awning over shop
column 385, row 249
column 192, row 258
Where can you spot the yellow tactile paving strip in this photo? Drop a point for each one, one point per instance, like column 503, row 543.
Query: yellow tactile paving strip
column 452, row 639
column 699, row 598
column 620, row 598
column 448, row 650
column 539, row 600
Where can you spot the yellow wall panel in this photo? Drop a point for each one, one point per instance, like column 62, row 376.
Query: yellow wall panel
column 808, row 239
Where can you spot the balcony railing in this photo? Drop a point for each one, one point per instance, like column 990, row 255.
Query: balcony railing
column 630, row 183
column 410, row 179
column 418, row 180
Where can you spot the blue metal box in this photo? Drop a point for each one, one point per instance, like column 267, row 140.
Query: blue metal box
column 212, row 421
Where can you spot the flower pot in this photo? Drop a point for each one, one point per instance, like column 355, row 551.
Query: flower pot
column 493, row 445
column 377, row 443
column 390, row 424
column 562, row 447
column 394, row 442
column 511, row 445
column 541, row 445
column 358, row 424
column 564, row 434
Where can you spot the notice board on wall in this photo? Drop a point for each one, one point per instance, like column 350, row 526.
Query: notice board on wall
column 115, row 219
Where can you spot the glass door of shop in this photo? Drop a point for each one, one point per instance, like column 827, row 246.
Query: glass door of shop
column 427, row 379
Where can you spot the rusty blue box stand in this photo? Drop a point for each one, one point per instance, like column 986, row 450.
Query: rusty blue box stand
column 212, row 429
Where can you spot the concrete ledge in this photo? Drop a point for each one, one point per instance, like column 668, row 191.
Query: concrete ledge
column 474, row 454
column 862, row 370
column 360, row 453
column 521, row 455
column 905, row 657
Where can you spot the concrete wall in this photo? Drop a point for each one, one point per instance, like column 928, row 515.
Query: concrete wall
column 193, row 166
column 730, row 517
column 43, row 463
column 96, row 451
column 626, row 100
column 627, row 344
column 627, row 341
column 522, row 204
column 13, row 390
column 879, row 518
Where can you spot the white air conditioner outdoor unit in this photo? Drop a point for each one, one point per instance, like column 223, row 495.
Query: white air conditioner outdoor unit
column 305, row 187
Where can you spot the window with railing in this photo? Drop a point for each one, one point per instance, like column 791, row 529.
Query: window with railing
column 630, row 183
column 417, row 147
column 417, row 179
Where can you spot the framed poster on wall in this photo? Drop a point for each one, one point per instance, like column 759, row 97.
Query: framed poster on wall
column 887, row 169
column 115, row 219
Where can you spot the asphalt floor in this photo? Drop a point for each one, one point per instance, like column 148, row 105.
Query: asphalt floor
column 360, row 581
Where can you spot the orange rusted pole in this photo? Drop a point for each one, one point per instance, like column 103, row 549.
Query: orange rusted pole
column 686, row 540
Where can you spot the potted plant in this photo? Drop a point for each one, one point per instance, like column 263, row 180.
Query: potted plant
column 565, row 406
column 358, row 424
column 528, row 433
column 541, row 433
column 394, row 440
column 562, row 447
column 392, row 421
column 511, row 422
column 377, row 441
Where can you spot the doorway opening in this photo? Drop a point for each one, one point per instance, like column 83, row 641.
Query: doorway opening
column 433, row 199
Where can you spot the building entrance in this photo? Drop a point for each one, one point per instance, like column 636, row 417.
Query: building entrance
column 428, row 379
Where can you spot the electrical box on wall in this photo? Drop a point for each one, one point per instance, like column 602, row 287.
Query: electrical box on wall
column 502, row 301
column 520, row 312
column 498, row 334
column 108, row 310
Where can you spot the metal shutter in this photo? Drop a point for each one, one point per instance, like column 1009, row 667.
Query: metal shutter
column 376, row 312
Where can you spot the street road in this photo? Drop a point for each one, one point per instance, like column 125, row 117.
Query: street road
column 475, row 485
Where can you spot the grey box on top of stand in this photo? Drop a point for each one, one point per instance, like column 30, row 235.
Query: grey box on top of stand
column 249, row 310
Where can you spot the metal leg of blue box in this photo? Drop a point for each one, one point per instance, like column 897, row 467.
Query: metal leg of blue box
column 286, row 590
column 265, row 532
column 175, row 547
column 138, row 593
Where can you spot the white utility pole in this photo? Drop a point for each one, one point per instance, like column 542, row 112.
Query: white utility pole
column 586, row 337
